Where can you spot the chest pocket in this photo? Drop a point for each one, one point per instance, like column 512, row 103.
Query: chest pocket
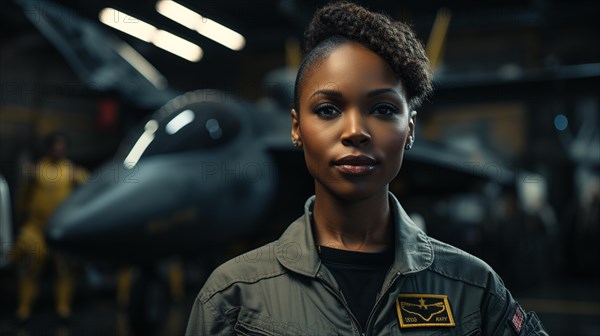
column 470, row 325
column 251, row 323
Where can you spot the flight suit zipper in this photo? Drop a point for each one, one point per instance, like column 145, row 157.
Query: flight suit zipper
column 343, row 301
column 378, row 301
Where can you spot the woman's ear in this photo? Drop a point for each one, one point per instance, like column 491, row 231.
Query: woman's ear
column 296, row 136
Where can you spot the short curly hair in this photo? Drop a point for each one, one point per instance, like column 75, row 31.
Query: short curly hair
column 341, row 22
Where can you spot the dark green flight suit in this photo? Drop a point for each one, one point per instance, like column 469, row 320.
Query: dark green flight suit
column 431, row 289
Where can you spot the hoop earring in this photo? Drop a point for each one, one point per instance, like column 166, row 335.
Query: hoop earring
column 408, row 146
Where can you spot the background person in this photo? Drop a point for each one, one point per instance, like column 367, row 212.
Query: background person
column 49, row 182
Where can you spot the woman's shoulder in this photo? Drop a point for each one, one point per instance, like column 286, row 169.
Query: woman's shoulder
column 459, row 265
column 248, row 268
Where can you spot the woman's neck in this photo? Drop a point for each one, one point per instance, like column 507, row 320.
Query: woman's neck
column 357, row 225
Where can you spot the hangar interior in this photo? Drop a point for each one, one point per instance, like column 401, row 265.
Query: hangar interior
column 173, row 135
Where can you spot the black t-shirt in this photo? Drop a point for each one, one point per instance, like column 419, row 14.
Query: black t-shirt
column 360, row 276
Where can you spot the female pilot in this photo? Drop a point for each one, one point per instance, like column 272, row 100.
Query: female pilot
column 355, row 263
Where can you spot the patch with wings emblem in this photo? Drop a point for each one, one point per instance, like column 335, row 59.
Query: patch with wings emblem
column 424, row 310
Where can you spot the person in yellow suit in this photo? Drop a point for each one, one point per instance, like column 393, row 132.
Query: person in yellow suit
column 49, row 182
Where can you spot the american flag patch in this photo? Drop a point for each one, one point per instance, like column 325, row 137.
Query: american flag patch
column 517, row 319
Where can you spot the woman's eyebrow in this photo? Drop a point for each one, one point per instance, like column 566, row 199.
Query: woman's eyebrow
column 372, row 93
column 332, row 93
column 382, row 91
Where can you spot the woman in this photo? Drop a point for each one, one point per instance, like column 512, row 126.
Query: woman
column 355, row 264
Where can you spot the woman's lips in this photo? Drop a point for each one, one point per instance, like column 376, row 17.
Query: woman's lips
column 356, row 165
column 355, row 170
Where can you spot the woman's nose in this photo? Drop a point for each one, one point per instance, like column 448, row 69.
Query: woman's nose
column 355, row 131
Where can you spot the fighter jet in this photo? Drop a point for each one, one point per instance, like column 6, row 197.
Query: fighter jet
column 194, row 177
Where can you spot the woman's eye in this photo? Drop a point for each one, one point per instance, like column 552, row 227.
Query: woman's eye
column 327, row 111
column 385, row 110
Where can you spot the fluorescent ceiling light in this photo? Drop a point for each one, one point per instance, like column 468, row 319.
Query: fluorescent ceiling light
column 179, row 121
column 147, row 32
column 178, row 13
column 127, row 24
column 177, row 45
column 220, row 34
column 203, row 25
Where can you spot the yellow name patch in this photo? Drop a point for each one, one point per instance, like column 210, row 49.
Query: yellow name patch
column 424, row 310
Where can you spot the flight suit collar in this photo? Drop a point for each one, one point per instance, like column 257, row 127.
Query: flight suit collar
column 297, row 250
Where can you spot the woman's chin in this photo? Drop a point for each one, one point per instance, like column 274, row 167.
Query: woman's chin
column 354, row 191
